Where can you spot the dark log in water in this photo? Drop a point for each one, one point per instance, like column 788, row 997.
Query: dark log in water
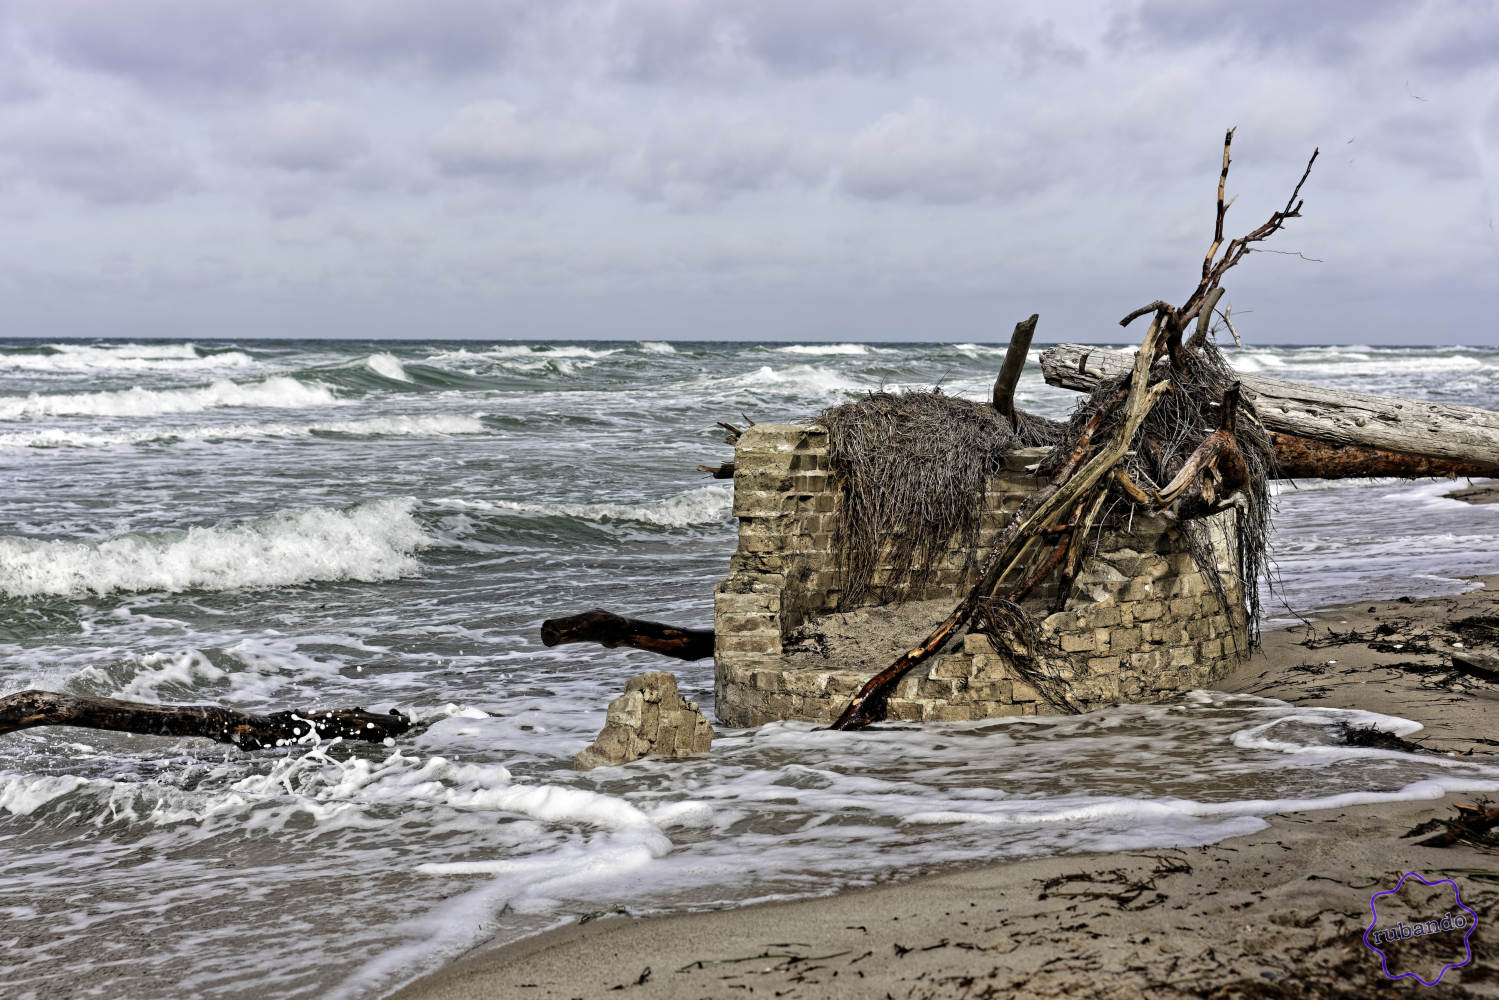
column 29, row 709
column 612, row 631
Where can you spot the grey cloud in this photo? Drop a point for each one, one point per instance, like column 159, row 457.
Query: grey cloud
column 100, row 153
column 923, row 154
column 495, row 137
column 230, row 43
column 698, row 160
column 1429, row 141
column 308, row 136
column 664, row 39
column 1326, row 28
column 1458, row 36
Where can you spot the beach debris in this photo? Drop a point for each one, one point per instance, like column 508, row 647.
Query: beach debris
column 726, row 470
column 28, row 709
column 612, row 631
column 650, row 719
column 1473, row 825
column 1479, row 666
column 1368, row 736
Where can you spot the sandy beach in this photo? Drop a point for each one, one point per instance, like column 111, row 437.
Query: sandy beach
column 1279, row 913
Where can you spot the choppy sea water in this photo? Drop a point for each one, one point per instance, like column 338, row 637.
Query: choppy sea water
column 300, row 524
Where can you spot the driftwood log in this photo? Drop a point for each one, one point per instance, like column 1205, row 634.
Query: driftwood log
column 1009, row 372
column 1392, row 436
column 29, row 709
column 612, row 631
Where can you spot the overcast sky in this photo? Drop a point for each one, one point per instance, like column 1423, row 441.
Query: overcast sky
column 780, row 169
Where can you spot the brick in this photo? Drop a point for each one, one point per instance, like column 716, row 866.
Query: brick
column 1125, row 640
column 976, row 642
column 947, row 713
column 749, row 642
column 765, row 622
column 903, row 709
column 931, row 687
column 1147, row 611
column 1099, row 616
column 1103, row 664
column 1101, row 640
column 1073, row 643
column 990, row 690
column 952, row 667
column 1022, row 692
column 1183, row 656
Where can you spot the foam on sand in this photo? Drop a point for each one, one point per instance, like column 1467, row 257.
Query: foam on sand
column 372, row 541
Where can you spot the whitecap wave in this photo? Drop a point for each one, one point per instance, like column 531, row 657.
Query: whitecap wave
column 805, row 378
column 124, row 357
column 433, row 425
column 657, row 347
column 387, row 365
column 824, row 349
column 706, row 505
column 373, row 541
column 279, row 391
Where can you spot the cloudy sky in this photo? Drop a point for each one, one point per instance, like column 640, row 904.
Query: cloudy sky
column 754, row 169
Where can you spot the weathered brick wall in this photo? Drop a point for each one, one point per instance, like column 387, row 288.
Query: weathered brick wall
column 1144, row 623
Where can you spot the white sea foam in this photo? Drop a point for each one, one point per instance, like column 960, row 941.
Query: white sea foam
column 705, row 505
column 824, row 349
column 804, row 378
column 657, row 347
column 124, row 357
column 373, row 541
column 434, row 425
column 279, row 391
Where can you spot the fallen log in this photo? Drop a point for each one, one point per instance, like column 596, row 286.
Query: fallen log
column 1397, row 434
column 612, row 631
column 1304, row 458
column 29, row 709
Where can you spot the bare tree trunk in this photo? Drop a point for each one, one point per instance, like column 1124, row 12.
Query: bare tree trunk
column 1400, row 432
column 28, row 709
column 1009, row 372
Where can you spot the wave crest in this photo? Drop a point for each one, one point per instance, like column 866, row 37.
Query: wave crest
column 278, row 391
column 369, row 542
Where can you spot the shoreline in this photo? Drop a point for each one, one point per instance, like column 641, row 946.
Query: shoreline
column 1276, row 913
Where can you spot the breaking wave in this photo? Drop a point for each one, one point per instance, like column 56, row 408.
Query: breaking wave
column 279, row 391
column 804, row 378
column 706, row 505
column 122, row 357
column 408, row 426
column 369, row 542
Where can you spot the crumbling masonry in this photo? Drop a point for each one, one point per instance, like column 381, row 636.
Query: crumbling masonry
column 1143, row 623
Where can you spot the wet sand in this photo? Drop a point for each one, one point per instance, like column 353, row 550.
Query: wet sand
column 1279, row 913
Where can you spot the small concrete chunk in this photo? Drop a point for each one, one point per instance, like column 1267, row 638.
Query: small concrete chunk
column 650, row 718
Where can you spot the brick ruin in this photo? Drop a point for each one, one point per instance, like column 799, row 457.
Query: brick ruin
column 1143, row 622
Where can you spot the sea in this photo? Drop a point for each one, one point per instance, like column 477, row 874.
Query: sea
column 278, row 524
